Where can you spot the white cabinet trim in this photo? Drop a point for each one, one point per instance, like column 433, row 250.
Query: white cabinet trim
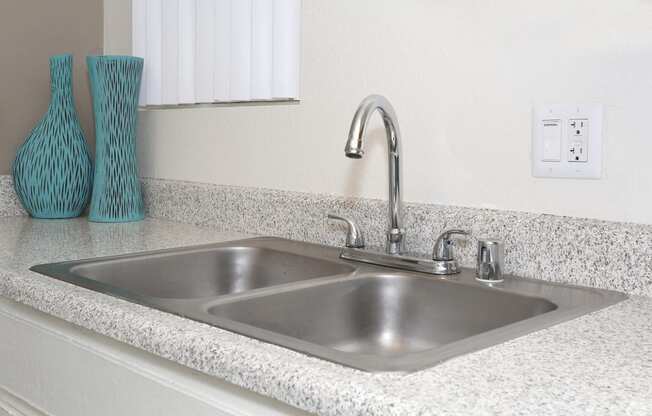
column 63, row 369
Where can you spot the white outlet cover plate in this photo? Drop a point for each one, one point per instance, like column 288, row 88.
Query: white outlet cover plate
column 592, row 168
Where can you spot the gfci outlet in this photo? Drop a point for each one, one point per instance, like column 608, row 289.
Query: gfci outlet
column 567, row 141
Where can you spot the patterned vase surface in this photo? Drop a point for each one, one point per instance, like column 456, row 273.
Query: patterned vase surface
column 115, row 86
column 53, row 170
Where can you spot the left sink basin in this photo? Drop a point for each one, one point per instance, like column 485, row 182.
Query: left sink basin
column 199, row 272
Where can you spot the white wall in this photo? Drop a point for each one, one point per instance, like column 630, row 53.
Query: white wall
column 462, row 75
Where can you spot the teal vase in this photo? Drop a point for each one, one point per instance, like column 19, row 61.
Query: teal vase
column 115, row 86
column 53, row 171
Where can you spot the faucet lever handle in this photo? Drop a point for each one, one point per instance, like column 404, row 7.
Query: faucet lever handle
column 354, row 236
column 443, row 250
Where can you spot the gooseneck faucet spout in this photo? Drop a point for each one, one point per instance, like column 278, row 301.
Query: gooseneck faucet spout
column 355, row 149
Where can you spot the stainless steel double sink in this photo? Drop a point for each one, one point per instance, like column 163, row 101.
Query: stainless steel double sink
column 304, row 297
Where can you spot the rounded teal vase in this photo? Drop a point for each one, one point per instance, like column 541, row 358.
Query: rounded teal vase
column 53, row 171
column 115, row 87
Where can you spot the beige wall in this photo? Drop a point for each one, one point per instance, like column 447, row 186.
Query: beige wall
column 463, row 75
column 31, row 31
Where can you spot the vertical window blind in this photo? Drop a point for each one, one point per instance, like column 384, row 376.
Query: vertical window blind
column 206, row 51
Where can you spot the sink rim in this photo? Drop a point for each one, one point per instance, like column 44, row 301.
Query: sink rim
column 196, row 308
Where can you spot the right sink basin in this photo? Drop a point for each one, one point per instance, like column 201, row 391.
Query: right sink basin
column 401, row 321
column 387, row 315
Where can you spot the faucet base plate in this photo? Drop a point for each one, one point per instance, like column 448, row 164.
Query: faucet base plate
column 436, row 267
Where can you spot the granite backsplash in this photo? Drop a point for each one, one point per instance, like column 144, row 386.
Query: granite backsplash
column 586, row 252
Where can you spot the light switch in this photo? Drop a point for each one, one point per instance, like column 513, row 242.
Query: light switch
column 551, row 140
column 567, row 141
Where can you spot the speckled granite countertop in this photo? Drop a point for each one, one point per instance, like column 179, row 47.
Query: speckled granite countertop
column 599, row 364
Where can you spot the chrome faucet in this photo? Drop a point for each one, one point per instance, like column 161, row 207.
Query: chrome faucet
column 443, row 261
column 355, row 150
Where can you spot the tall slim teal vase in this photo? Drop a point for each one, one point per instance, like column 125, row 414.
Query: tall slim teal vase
column 53, row 170
column 115, row 86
